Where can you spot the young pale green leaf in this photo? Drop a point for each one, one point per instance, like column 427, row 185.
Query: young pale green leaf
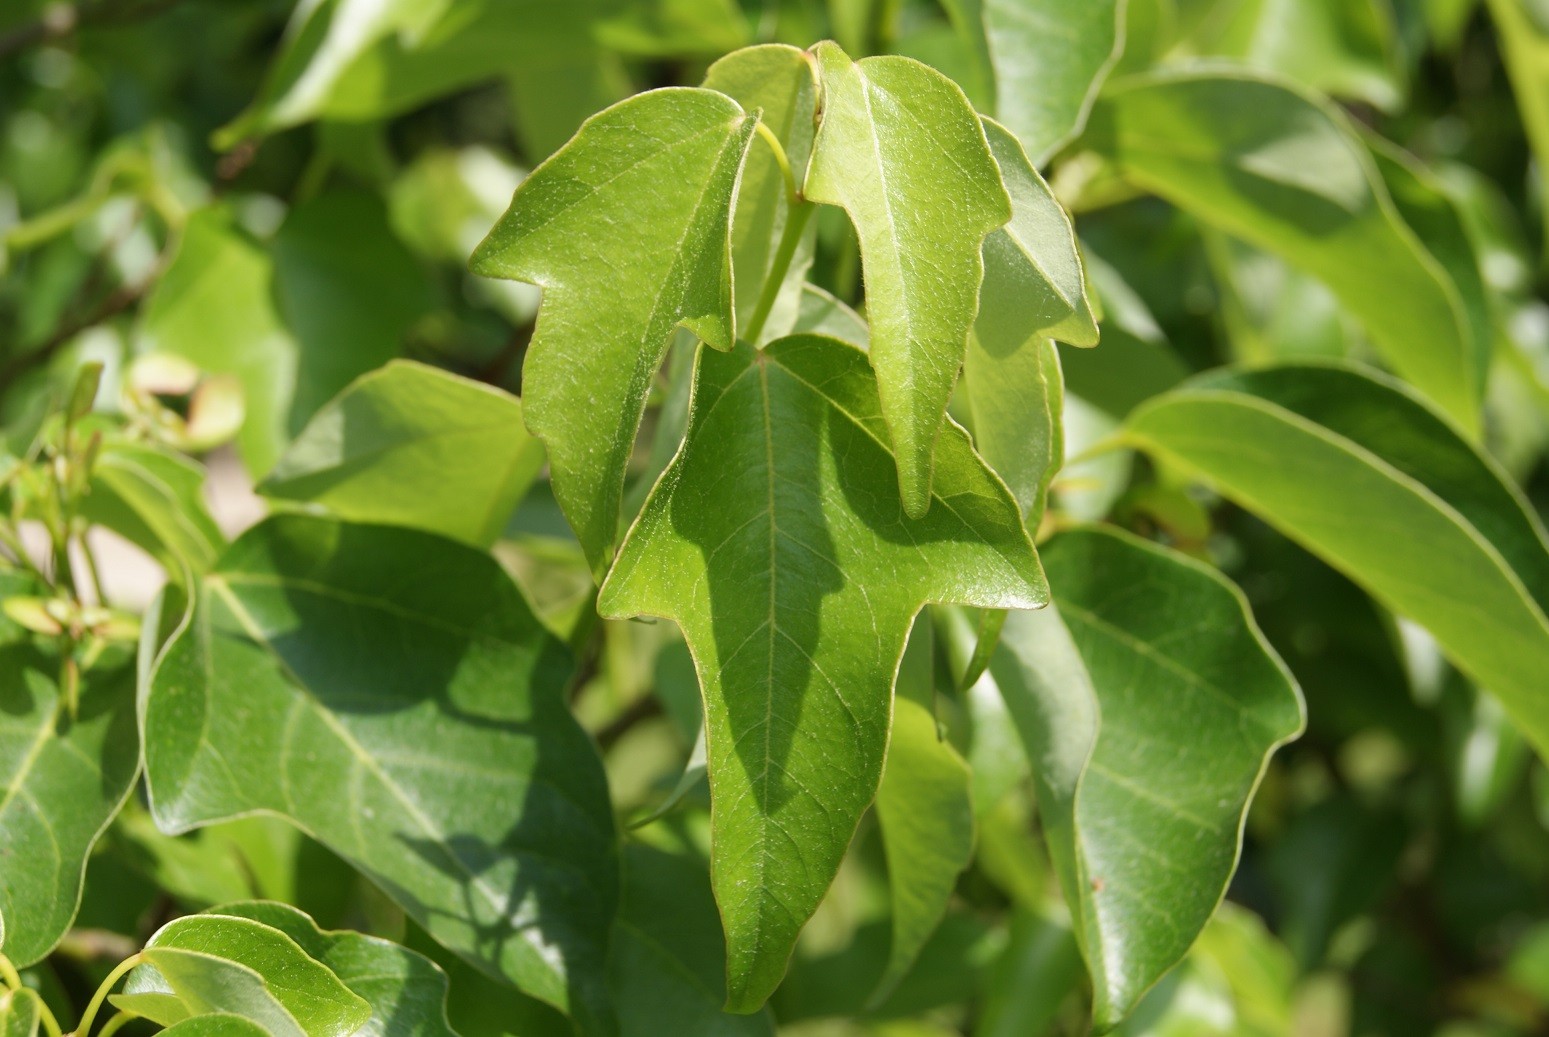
column 628, row 231
column 308, row 990
column 174, row 985
column 1048, row 59
column 21, row 1013
column 925, row 812
column 154, row 498
column 1524, row 36
column 406, row 991
column 1347, row 48
column 901, row 150
column 776, row 81
column 408, row 445
column 1148, row 739
column 1284, row 171
column 1356, row 468
column 1033, row 291
column 61, row 781
column 777, row 541
column 392, row 694
column 668, row 962
column 294, row 320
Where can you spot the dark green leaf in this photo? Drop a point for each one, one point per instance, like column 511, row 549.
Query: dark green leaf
column 785, row 483
column 391, row 693
column 1149, row 704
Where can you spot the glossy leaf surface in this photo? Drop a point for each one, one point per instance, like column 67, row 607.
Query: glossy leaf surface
column 665, row 165
column 1384, row 489
column 902, row 152
column 1148, row 737
column 392, row 694
column 777, row 541
column 1284, row 172
column 61, row 782
column 409, row 445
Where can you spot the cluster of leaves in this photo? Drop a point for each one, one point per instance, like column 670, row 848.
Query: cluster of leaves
column 787, row 338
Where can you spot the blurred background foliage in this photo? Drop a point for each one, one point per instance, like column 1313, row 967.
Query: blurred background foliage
column 286, row 198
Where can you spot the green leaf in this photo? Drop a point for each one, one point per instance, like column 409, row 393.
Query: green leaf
column 392, row 694
column 784, row 482
column 295, row 320
column 1524, row 34
column 176, row 985
column 408, row 445
column 776, row 81
column 668, row 965
column 307, row 989
column 1283, row 171
column 1033, row 291
column 1049, row 59
column 898, row 147
column 21, row 1013
column 821, row 313
column 925, row 812
column 406, row 991
column 154, row 498
column 61, row 781
column 1363, row 473
column 1150, row 704
column 1347, row 48
column 664, row 164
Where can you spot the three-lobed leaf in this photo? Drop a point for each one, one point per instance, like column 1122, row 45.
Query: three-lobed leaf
column 392, row 694
column 413, row 446
column 778, row 542
column 1359, row 470
column 628, row 231
column 1149, row 703
column 901, row 150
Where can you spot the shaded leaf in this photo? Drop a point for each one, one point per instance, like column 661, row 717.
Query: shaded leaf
column 821, row 313
column 1283, row 171
column 925, row 813
column 1524, row 34
column 1368, row 477
column 409, row 445
column 391, row 693
column 663, row 164
column 1148, row 739
column 154, row 498
column 902, row 152
column 784, row 482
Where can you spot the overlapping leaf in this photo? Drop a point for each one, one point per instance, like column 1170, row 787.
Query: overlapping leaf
column 406, row 991
column 778, row 543
column 1284, row 172
column 664, row 165
column 901, row 150
column 1357, row 469
column 1034, row 291
column 1149, row 703
column 154, row 498
column 21, row 1013
column 391, row 693
column 61, row 781
column 413, row 446
column 1524, row 36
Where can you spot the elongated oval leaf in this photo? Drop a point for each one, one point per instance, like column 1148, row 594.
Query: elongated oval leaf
column 1524, row 35
column 390, row 692
column 1367, row 476
column 154, row 498
column 308, row 989
column 405, row 990
column 901, row 150
column 1283, row 171
column 408, row 445
column 776, row 81
column 925, row 813
column 1149, row 703
column 777, row 541
column 61, row 781
column 628, row 231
